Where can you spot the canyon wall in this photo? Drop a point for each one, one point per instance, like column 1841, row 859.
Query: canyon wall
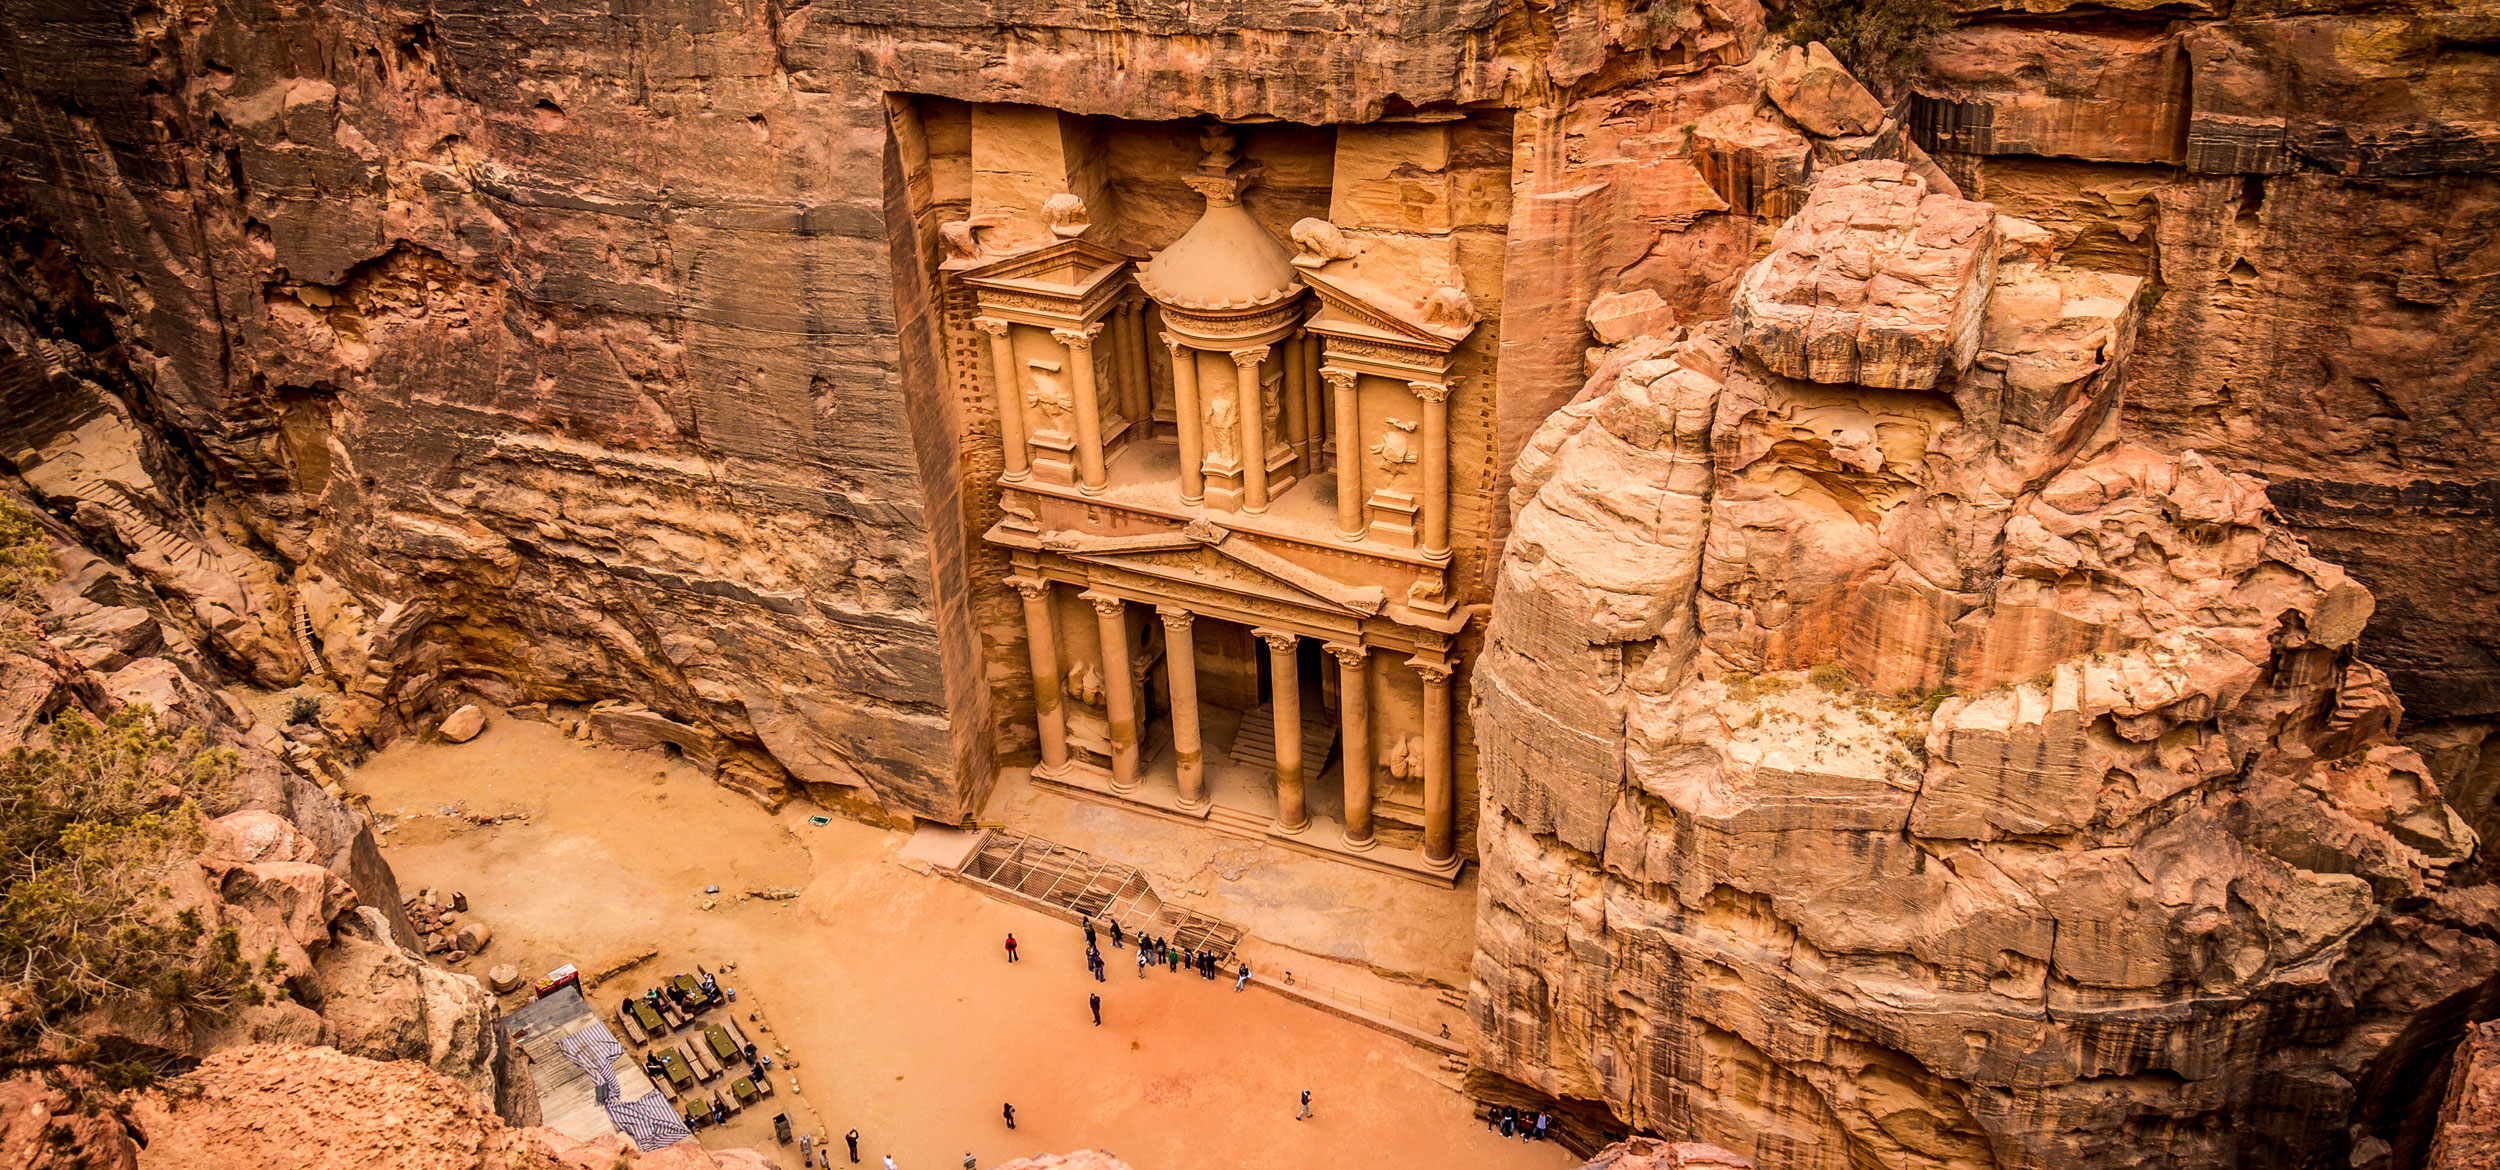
column 2310, row 191
column 1888, row 763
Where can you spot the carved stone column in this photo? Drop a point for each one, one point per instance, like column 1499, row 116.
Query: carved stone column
column 1185, row 419
column 1297, row 405
column 1349, row 462
column 1440, row 803
column 1010, row 395
column 1080, row 343
column 1316, row 443
column 1436, row 399
column 1042, row 645
column 1354, row 710
column 1284, row 670
column 1180, row 661
column 1136, row 401
column 1252, row 399
column 1119, row 687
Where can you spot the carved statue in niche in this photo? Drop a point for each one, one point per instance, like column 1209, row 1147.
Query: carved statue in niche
column 1396, row 447
column 957, row 240
column 1224, row 428
column 1049, row 393
column 1085, row 684
column 1318, row 241
column 1405, row 758
column 1065, row 213
column 1272, row 409
column 1449, row 308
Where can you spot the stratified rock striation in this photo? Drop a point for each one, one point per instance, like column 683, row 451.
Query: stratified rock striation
column 1877, row 775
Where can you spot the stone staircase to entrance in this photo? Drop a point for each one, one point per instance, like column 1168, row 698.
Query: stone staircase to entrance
column 1255, row 746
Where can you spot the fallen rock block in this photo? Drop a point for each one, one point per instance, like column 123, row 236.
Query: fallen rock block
column 1812, row 87
column 503, row 978
column 473, row 937
column 464, row 724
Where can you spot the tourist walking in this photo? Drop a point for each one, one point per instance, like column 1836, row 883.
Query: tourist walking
column 1141, row 962
column 853, row 1139
column 1089, row 933
column 1011, row 1115
column 1115, row 932
column 1095, row 1002
column 1244, row 981
column 1174, row 958
column 889, row 1162
column 1011, row 957
column 1306, row 1107
column 968, row 1162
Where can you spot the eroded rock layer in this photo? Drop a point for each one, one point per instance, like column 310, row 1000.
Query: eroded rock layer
column 1928, row 777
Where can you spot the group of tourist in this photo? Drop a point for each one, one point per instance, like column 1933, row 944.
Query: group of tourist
column 1151, row 952
column 1510, row 1122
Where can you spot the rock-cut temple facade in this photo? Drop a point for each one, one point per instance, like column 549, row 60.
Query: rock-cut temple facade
column 1243, row 459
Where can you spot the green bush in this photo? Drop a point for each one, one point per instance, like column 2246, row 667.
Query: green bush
column 1878, row 41
column 25, row 564
column 91, row 825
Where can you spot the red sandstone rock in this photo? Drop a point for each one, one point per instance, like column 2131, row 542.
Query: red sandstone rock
column 1909, row 756
column 2469, row 1119
column 1876, row 282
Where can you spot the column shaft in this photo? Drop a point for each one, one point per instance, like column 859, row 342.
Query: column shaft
column 1284, row 669
column 1135, row 400
column 1180, row 661
column 1185, row 418
column 1436, row 400
column 1251, row 398
column 1042, row 644
column 1354, row 709
column 1317, row 392
column 1350, row 524
column 1080, row 343
column 1119, row 687
column 1010, row 389
column 1440, row 795
column 1297, row 406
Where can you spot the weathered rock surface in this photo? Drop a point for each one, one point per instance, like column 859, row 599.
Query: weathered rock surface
column 1652, row 1154
column 271, row 1107
column 2321, row 308
column 1929, row 777
column 1879, row 283
column 2469, row 1119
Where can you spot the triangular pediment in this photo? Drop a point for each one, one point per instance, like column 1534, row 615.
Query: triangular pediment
column 1069, row 268
column 1380, row 312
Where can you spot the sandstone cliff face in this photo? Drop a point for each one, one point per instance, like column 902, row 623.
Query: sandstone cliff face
column 2310, row 193
column 582, row 356
column 1926, row 777
column 292, row 870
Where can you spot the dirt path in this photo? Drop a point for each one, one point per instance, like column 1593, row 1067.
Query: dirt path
column 889, row 986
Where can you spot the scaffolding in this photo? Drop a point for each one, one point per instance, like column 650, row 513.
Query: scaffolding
column 1056, row 879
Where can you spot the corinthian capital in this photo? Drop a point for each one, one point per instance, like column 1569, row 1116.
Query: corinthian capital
column 1078, row 338
column 993, row 326
column 1341, row 379
column 1430, row 391
column 1348, row 656
column 1250, row 357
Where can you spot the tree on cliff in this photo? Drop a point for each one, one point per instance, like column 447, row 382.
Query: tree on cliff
column 92, row 825
column 1877, row 40
column 25, row 564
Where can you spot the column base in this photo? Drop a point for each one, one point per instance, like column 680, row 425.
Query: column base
column 1282, row 829
column 1200, row 805
column 1363, row 846
column 1350, row 537
column 1447, row 865
column 1088, row 489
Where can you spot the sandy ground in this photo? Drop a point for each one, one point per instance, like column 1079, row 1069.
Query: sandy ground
column 890, row 987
